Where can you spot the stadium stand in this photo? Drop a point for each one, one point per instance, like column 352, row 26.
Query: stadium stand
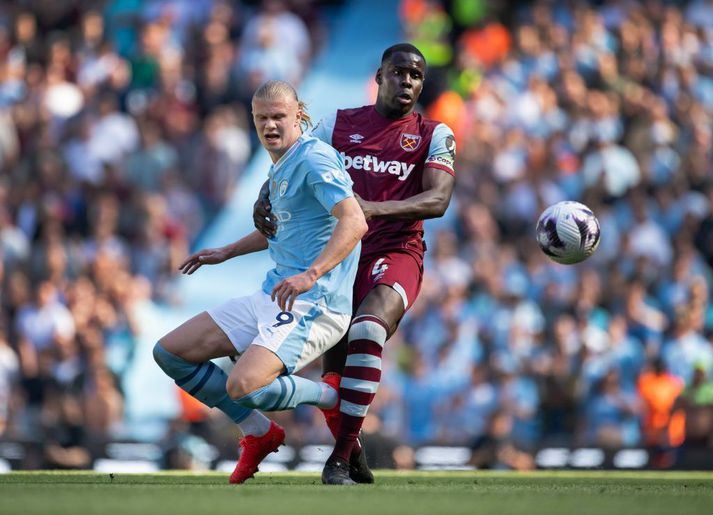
column 125, row 141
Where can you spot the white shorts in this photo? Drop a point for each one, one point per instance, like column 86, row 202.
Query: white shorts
column 297, row 337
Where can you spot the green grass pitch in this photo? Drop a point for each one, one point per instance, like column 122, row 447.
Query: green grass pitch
column 433, row 493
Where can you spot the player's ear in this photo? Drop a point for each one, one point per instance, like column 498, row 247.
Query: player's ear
column 378, row 76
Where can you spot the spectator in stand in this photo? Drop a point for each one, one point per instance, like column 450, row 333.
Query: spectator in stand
column 686, row 347
column 9, row 379
column 662, row 424
column 610, row 418
column 275, row 46
column 119, row 141
column 697, row 403
column 610, row 104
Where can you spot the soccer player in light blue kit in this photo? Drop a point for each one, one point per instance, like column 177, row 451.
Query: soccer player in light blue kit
column 305, row 304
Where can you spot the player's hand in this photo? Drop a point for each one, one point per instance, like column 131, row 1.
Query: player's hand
column 203, row 257
column 287, row 290
column 264, row 220
column 366, row 207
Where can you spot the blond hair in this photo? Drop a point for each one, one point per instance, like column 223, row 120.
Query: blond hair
column 274, row 89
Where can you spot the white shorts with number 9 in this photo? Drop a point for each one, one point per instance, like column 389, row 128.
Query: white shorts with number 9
column 297, row 337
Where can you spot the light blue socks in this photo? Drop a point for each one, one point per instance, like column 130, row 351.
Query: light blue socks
column 204, row 381
column 287, row 392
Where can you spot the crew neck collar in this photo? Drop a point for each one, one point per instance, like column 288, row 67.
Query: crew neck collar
column 379, row 119
column 288, row 153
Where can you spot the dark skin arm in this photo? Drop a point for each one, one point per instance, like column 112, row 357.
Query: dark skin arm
column 431, row 203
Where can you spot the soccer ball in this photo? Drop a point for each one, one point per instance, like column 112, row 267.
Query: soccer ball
column 568, row 232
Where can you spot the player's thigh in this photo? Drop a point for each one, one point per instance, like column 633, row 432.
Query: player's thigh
column 300, row 336
column 326, row 331
column 383, row 302
column 198, row 339
column 238, row 318
column 387, row 285
column 224, row 330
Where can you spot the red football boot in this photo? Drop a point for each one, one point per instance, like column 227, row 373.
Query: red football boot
column 331, row 415
column 255, row 448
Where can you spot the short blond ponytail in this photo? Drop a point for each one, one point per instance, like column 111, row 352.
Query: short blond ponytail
column 306, row 120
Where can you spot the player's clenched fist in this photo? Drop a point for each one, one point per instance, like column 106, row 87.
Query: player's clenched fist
column 204, row 257
column 286, row 291
column 263, row 218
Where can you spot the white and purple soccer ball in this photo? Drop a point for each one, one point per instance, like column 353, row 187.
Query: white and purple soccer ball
column 568, row 232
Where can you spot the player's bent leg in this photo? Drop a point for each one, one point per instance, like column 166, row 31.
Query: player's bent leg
column 257, row 366
column 184, row 355
column 198, row 339
column 286, row 342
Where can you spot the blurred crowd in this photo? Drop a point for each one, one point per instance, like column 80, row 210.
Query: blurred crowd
column 609, row 104
column 124, row 129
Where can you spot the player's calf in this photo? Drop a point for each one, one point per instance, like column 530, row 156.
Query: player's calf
column 204, row 381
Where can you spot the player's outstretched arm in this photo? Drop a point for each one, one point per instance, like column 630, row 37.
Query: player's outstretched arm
column 263, row 218
column 432, row 202
column 350, row 228
column 253, row 242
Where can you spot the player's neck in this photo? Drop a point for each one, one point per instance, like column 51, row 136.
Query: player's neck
column 391, row 114
column 276, row 155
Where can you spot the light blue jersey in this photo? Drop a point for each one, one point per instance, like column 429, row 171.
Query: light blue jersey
column 305, row 185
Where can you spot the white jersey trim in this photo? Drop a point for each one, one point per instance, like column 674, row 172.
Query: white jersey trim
column 442, row 151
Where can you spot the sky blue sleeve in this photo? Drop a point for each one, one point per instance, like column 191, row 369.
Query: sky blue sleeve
column 325, row 128
column 328, row 178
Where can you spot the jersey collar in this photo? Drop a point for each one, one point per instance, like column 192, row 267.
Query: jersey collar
column 380, row 120
column 286, row 155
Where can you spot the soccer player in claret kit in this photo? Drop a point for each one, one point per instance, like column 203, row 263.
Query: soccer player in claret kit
column 402, row 168
column 305, row 303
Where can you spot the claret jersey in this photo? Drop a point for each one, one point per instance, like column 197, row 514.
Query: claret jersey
column 386, row 158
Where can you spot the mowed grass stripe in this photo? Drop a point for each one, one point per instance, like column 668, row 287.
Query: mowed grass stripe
column 174, row 476
column 412, row 493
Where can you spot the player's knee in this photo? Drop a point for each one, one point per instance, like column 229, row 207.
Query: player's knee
column 368, row 327
column 238, row 386
column 168, row 345
column 160, row 355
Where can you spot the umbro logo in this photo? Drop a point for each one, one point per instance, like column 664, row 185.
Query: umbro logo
column 356, row 138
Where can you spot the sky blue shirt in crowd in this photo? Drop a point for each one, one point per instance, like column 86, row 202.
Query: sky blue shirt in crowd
column 305, row 185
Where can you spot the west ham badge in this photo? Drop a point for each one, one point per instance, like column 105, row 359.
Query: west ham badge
column 410, row 142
